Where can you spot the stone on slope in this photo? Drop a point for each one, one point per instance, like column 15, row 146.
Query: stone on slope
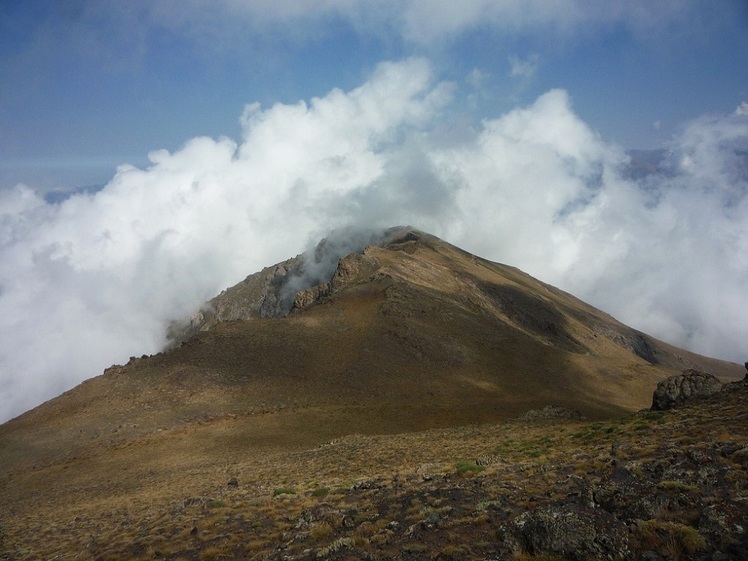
column 675, row 390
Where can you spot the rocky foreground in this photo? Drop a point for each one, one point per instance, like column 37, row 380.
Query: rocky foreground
column 656, row 485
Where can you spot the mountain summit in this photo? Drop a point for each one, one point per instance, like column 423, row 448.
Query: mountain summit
column 403, row 309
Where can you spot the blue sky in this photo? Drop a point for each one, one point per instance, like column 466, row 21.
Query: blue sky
column 217, row 138
column 88, row 85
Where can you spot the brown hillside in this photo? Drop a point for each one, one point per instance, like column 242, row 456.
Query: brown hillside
column 408, row 335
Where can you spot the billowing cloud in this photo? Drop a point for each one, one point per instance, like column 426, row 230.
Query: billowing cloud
column 666, row 254
column 89, row 281
column 95, row 279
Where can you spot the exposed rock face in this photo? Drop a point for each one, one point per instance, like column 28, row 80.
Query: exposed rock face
column 290, row 285
column 677, row 389
column 260, row 295
column 347, row 269
column 574, row 531
column 307, row 297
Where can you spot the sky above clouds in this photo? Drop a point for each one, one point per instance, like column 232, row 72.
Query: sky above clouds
column 154, row 153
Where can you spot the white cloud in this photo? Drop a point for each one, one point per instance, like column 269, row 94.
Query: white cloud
column 669, row 256
column 430, row 21
column 477, row 79
column 95, row 279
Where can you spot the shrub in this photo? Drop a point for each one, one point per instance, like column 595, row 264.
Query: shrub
column 483, row 506
column 284, row 491
column 320, row 531
column 320, row 492
column 465, row 468
column 670, row 539
column 673, row 485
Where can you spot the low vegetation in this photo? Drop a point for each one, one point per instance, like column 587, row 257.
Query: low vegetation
column 682, row 473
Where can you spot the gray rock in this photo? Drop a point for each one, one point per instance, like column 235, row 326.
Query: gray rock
column 550, row 412
column 574, row 531
column 688, row 385
column 723, row 525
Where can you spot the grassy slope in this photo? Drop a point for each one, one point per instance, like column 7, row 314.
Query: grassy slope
column 381, row 495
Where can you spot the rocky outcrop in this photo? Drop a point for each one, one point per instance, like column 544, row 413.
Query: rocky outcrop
column 260, row 295
column 678, row 389
column 638, row 343
column 346, row 271
column 574, row 531
column 305, row 298
column 293, row 284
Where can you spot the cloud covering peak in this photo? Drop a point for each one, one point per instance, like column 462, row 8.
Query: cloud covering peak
column 93, row 279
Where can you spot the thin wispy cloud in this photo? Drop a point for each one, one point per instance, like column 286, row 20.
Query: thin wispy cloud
column 523, row 68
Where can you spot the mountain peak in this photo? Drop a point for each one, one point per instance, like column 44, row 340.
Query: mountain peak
column 386, row 331
column 367, row 335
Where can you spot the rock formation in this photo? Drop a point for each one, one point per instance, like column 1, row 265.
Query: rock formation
column 574, row 531
column 677, row 389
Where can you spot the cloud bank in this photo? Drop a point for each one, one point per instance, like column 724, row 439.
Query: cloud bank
column 96, row 278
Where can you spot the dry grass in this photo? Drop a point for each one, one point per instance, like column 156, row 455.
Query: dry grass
column 380, row 498
column 672, row 540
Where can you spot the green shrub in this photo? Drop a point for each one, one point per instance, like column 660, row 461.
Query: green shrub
column 284, row 491
column 464, row 468
column 320, row 492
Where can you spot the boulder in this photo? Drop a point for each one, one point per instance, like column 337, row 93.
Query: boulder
column 573, row 531
column 678, row 389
